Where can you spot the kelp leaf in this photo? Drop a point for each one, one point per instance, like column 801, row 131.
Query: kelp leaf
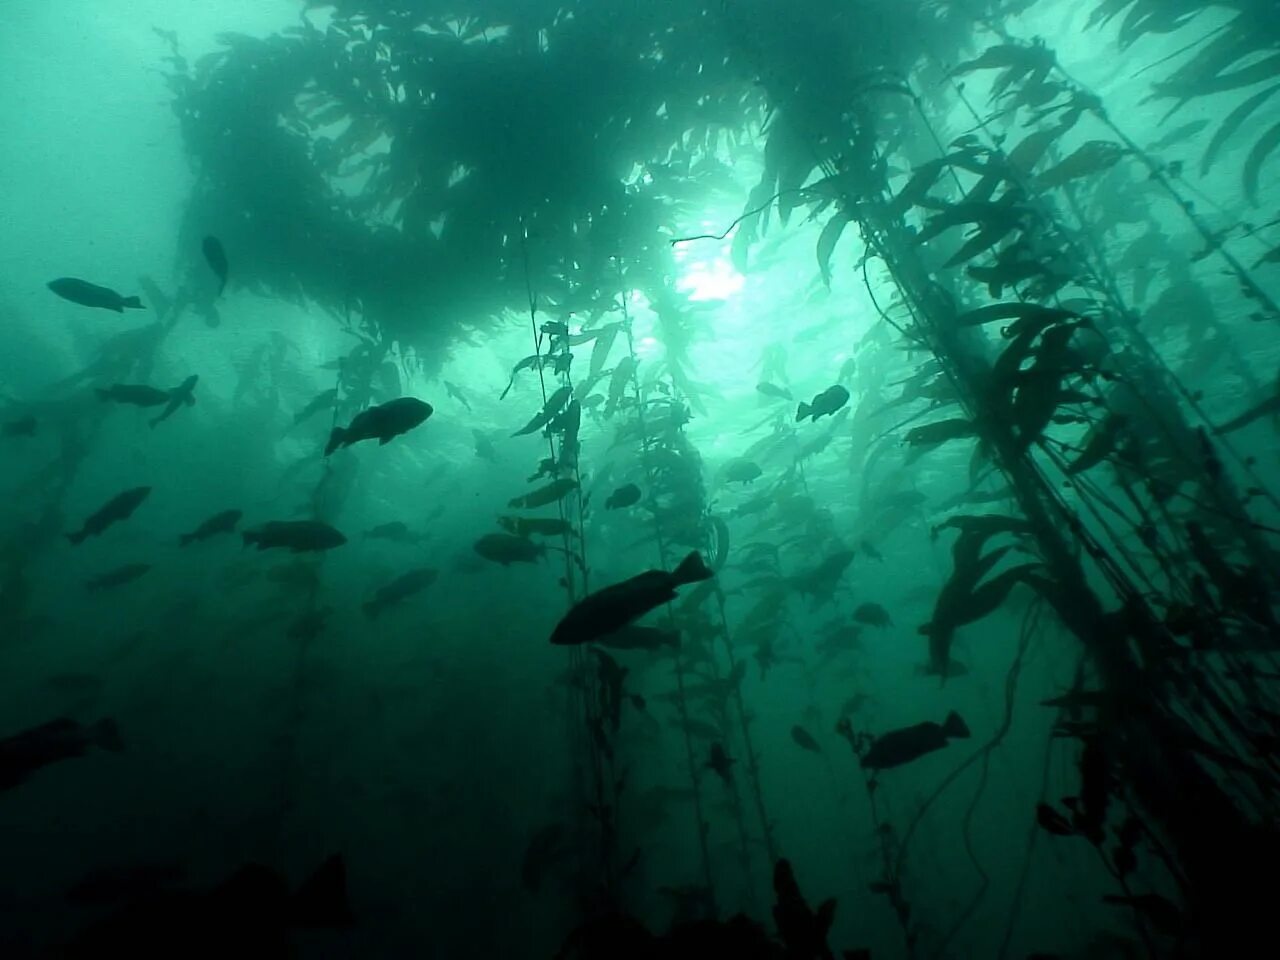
column 827, row 243
column 1257, row 157
column 1231, row 124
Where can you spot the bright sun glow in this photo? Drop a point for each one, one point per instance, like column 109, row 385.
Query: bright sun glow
column 710, row 280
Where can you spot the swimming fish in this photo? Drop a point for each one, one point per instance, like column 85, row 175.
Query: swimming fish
column 91, row 295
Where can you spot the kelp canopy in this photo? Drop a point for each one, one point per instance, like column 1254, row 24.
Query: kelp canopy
column 386, row 160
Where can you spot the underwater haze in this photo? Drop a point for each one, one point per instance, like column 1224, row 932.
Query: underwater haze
column 581, row 479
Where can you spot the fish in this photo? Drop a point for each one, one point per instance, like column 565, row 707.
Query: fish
column 22, row 427
column 610, row 609
column 22, row 754
column 537, row 526
column 383, row 423
column 396, row 531
column 741, row 470
column 399, row 590
column 321, row 401
column 824, row 404
column 91, row 295
column 216, row 257
column 772, row 390
column 183, row 394
column 635, row 637
column 506, row 549
column 135, row 394
column 873, row 615
column 721, row 763
column 299, row 536
column 550, row 493
column 455, row 391
column 804, row 739
column 555, row 403
column 625, row 496
column 869, row 549
column 484, row 447
column 224, row 522
column 118, row 577
column 897, row 747
column 120, row 507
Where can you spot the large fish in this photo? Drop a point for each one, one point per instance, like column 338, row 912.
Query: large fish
column 91, row 295
column 299, row 536
column 216, row 257
column 136, row 394
column 224, row 522
column 24, row 753
column 399, row 590
column 897, row 747
column 119, row 507
column 609, row 610
column 381, row 423
column 118, row 577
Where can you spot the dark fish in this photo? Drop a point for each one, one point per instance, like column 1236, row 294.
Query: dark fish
column 118, row 577
column 897, row 747
column 537, row 526
column 399, row 589
column 183, row 394
column 625, row 496
column 869, row 549
column 321, row 401
column 721, row 763
column 137, row 394
column 553, row 491
column 771, row 390
column 299, row 536
column 381, row 423
column 873, row 615
column 610, row 609
column 216, row 257
column 24, row 753
column 484, row 447
column 248, row 915
column 804, row 739
column 396, row 531
column 742, row 470
column 824, row 404
column 22, row 427
column 505, row 548
column 224, row 522
column 90, row 295
column 119, row 507
column 634, row 637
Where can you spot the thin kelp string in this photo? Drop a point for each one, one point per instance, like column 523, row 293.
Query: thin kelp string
column 682, row 703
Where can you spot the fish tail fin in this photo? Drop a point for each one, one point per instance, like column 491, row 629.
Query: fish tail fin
column 107, row 735
column 132, row 303
column 371, row 609
column 335, row 440
column 76, row 538
column 692, row 569
column 803, row 410
column 954, row 726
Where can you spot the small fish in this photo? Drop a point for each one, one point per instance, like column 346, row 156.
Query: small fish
column 91, row 295
column 396, row 531
column 455, row 391
column 635, row 637
column 721, row 763
column 224, row 522
column 118, row 577
column 854, row 704
column 612, row 608
column 804, row 739
column 183, row 394
column 772, row 390
column 550, row 493
column 134, row 394
column 626, row 496
column 24, row 753
column 216, row 257
column 120, row 507
column 299, row 536
column 869, row 549
column 824, row 404
column 741, row 470
column 897, row 747
column 399, row 590
column 22, row 427
column 506, row 549
column 873, row 615
column 484, row 447
column 383, row 423
column 537, row 526
column 321, row 401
